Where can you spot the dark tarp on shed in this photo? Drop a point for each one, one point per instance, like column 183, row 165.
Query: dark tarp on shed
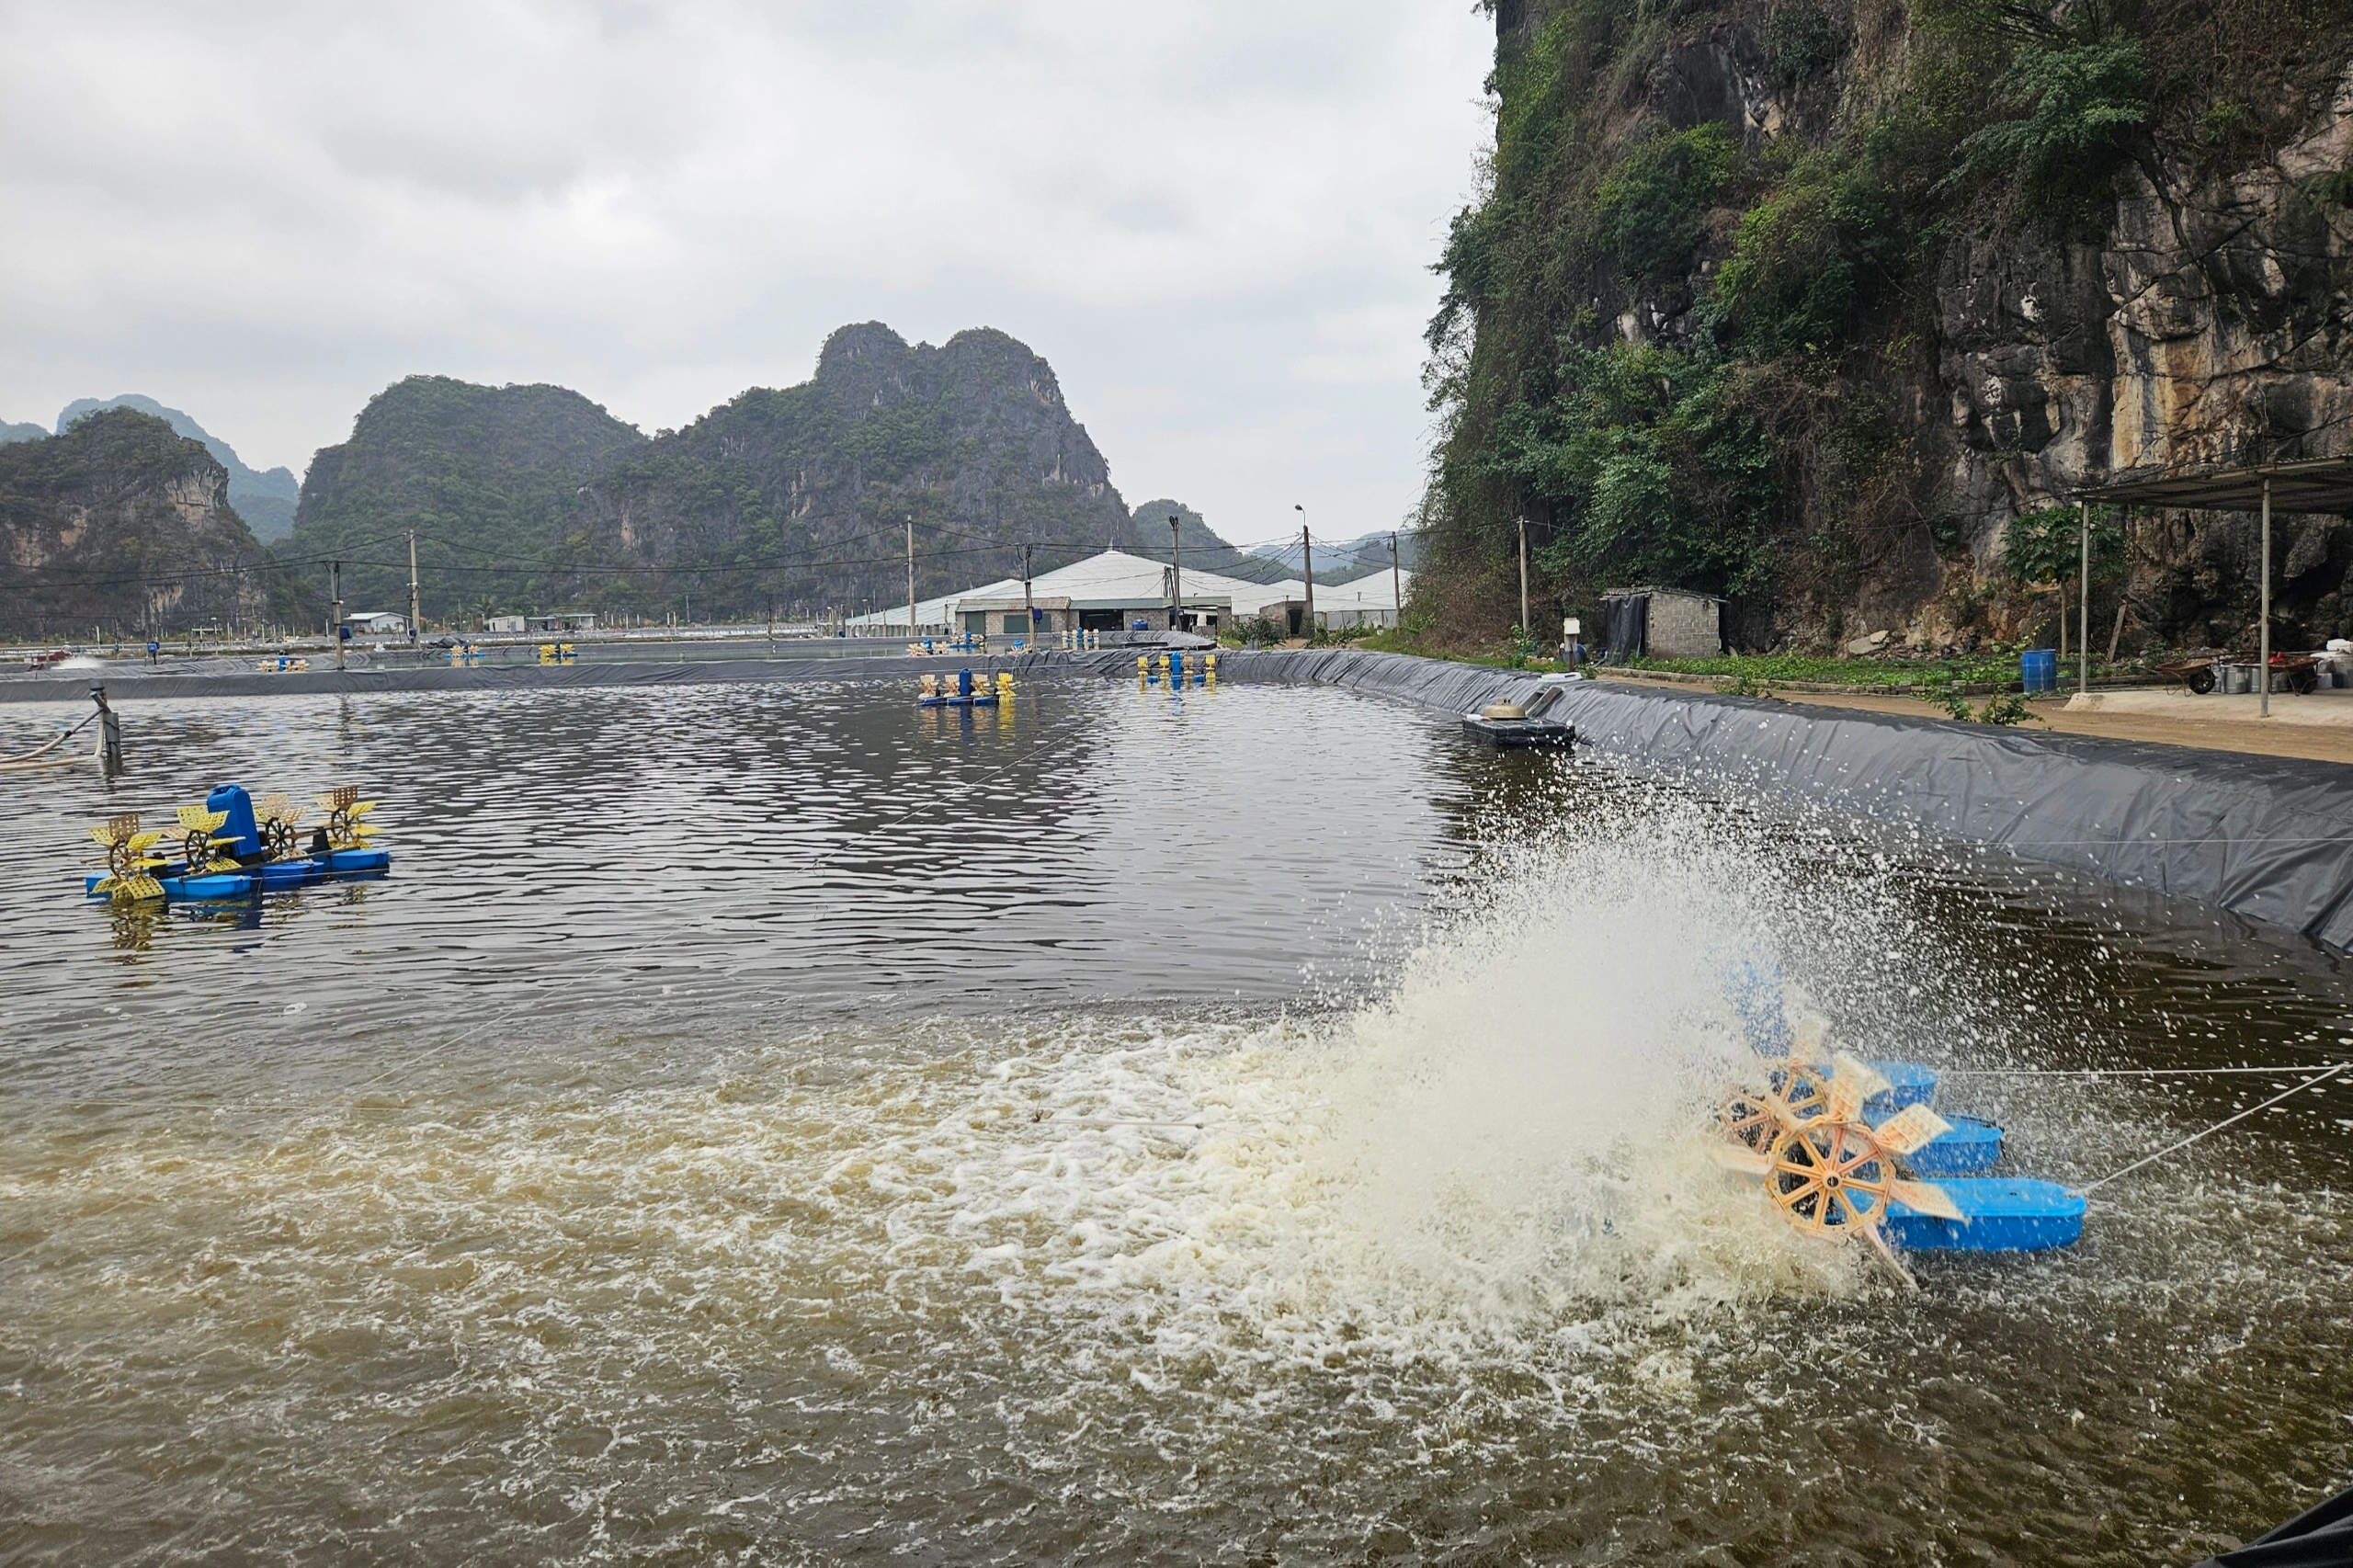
column 1625, row 624
column 2325, row 484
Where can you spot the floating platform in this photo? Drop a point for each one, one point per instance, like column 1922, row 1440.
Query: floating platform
column 269, row 876
column 1519, row 734
column 211, row 886
column 2002, row 1214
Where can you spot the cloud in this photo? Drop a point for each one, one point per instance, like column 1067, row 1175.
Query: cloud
column 1215, row 219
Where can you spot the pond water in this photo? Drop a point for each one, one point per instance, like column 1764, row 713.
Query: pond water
column 775, row 1124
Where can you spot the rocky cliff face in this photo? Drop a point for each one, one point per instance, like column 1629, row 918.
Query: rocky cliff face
column 800, row 497
column 264, row 499
column 2214, row 326
column 1825, row 305
column 121, row 527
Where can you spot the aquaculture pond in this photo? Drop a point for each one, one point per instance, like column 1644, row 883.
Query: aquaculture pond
column 777, row 1124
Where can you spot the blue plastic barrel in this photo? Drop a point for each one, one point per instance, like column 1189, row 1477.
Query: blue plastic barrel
column 2038, row 669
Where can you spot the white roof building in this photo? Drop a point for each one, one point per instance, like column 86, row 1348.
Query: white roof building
column 1112, row 581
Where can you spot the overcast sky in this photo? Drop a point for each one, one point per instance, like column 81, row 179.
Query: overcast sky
column 1214, row 218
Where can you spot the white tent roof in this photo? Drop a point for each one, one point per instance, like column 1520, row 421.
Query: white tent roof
column 1379, row 591
column 1113, row 575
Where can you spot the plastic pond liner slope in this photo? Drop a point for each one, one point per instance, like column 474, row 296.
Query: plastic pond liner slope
column 2268, row 838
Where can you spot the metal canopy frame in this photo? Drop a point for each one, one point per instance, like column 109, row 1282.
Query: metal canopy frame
column 2322, row 484
column 2318, row 484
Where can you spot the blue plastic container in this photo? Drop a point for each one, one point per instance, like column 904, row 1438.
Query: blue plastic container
column 243, row 832
column 1909, row 1083
column 1971, row 1148
column 2038, row 669
column 2005, row 1214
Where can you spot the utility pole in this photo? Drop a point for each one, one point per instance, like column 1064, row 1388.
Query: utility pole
column 1523, row 577
column 910, row 575
column 1307, row 567
column 1175, row 576
column 1029, row 606
column 415, row 629
column 2263, row 636
column 1396, row 585
column 334, row 579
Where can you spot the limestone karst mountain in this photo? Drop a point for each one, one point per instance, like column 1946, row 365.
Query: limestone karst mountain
column 264, row 498
column 122, row 527
column 796, row 499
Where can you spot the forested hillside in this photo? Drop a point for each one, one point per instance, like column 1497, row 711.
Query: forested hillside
column 121, row 527
column 488, row 477
column 800, row 497
column 1829, row 305
column 264, row 499
column 796, row 498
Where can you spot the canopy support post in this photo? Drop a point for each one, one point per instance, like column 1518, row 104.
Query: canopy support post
column 2263, row 633
column 2083, row 621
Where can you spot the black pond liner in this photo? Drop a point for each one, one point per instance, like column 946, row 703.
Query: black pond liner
column 2320, row 1538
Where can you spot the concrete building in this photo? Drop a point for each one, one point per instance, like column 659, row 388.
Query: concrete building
column 1662, row 623
column 376, row 623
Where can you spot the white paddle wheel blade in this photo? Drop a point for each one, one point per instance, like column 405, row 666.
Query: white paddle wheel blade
column 1747, row 1162
column 1852, row 1082
column 1913, row 1128
column 1887, row 1256
column 1926, row 1198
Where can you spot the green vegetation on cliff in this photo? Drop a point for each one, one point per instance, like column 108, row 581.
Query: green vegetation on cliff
column 121, row 526
column 799, row 498
column 487, row 476
column 264, row 498
column 1737, row 262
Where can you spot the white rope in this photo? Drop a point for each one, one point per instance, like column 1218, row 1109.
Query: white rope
column 2313, row 1082
column 2292, row 1068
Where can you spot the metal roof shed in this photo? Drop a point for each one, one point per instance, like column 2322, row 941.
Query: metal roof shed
column 2318, row 484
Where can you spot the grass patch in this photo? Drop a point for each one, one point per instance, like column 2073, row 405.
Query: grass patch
column 1780, row 669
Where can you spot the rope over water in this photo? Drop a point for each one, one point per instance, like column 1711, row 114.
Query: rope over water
column 2313, row 1082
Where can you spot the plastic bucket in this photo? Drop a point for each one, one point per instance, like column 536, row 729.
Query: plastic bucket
column 2038, row 669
